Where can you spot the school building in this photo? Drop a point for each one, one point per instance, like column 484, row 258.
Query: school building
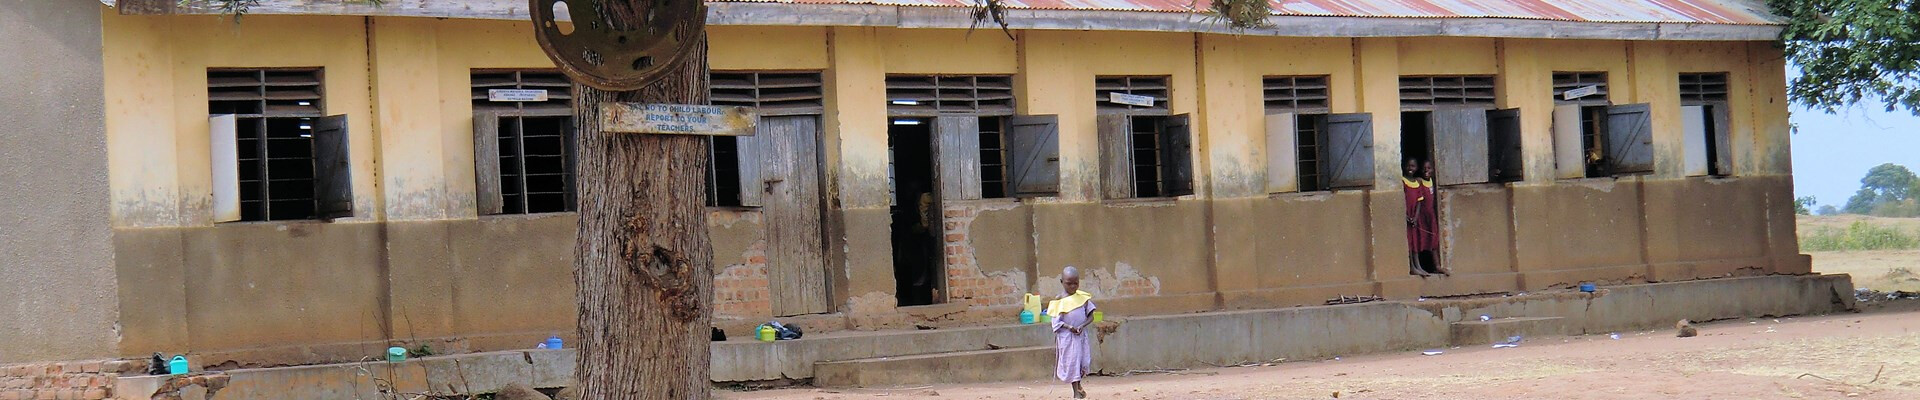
column 320, row 178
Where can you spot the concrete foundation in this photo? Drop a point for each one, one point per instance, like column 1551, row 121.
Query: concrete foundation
column 1021, row 352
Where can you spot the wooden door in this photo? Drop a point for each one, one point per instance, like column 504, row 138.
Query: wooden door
column 792, row 209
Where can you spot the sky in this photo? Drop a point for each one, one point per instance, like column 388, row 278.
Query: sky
column 1831, row 152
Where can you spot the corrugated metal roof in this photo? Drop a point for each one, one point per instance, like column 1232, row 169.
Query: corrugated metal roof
column 1721, row 12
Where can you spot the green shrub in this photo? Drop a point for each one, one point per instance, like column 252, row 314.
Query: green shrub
column 1859, row 236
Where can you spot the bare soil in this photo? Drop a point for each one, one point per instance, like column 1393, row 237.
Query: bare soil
column 1874, row 355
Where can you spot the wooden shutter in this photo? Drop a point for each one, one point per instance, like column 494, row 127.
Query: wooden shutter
column 487, row 198
column 1116, row 155
column 1693, row 125
column 1569, row 154
column 332, row 173
column 1506, row 156
column 1176, row 156
column 1722, row 140
column 1630, row 138
column 1460, row 136
column 1350, row 144
column 223, row 131
column 796, row 264
column 957, row 151
column 1283, row 169
column 751, row 156
column 1034, row 142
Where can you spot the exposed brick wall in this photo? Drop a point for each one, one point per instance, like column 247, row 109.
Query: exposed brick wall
column 89, row 380
column 1122, row 281
column 966, row 283
column 742, row 291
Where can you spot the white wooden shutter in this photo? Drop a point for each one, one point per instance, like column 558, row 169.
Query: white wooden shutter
column 1693, row 124
column 222, row 134
column 1283, row 174
column 1569, row 155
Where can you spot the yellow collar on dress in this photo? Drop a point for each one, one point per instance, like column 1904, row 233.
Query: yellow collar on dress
column 1063, row 305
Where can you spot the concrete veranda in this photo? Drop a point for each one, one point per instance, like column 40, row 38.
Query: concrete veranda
column 1867, row 355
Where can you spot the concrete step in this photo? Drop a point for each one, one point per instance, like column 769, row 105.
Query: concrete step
column 749, row 361
column 1014, row 364
column 1469, row 333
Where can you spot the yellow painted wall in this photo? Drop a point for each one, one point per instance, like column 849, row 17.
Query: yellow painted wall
column 157, row 103
column 404, row 83
column 1057, row 73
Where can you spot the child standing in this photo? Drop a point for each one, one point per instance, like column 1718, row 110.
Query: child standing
column 1071, row 315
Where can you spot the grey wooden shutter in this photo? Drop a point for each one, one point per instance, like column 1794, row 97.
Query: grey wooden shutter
column 957, row 152
column 487, row 198
column 751, row 155
column 1569, row 154
column 1116, row 155
column 332, row 171
column 1503, row 145
column 1034, row 142
column 1630, row 138
column 1350, row 144
column 1176, row 149
column 1461, row 152
column 1722, row 140
column 223, row 131
column 1283, row 169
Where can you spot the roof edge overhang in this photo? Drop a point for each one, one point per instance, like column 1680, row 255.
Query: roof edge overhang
column 921, row 17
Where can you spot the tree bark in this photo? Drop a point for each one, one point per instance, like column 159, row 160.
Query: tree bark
column 644, row 268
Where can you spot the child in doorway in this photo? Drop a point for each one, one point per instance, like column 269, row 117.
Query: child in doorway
column 1072, row 313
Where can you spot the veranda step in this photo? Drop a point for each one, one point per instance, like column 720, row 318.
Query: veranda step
column 1468, row 333
column 1012, row 364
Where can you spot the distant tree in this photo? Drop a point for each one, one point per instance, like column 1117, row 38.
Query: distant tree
column 1885, row 188
column 1802, row 204
column 1849, row 50
column 1828, row 210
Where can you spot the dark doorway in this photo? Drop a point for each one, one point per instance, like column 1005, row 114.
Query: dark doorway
column 918, row 266
column 1416, row 145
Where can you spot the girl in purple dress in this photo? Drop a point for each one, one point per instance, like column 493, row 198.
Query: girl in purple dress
column 1071, row 315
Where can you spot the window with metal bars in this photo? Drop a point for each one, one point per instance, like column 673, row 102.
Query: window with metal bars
column 530, row 138
column 274, row 112
column 1310, row 143
column 772, row 93
column 1154, row 87
column 1296, row 94
column 929, row 95
column 1429, row 92
column 994, row 180
column 1569, row 81
column 1706, row 119
column 1147, row 156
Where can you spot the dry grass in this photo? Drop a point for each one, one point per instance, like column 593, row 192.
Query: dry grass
column 1883, row 270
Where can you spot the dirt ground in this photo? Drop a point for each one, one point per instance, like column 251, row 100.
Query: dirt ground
column 1872, row 355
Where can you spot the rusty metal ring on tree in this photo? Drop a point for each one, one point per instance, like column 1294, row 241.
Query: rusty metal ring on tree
column 617, row 45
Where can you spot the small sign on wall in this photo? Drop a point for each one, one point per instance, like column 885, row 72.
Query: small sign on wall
column 1130, row 99
column 1576, row 93
column 516, row 95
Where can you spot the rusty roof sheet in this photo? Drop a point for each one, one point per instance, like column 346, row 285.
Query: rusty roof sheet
column 1720, row 12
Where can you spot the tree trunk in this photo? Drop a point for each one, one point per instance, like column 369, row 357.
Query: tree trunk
column 643, row 263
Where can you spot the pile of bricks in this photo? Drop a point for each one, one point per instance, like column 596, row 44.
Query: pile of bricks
column 88, row 380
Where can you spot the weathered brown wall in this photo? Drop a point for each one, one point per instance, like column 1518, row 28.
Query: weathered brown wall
column 1579, row 231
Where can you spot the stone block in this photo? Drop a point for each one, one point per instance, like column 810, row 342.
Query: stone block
column 1470, row 333
column 1025, row 363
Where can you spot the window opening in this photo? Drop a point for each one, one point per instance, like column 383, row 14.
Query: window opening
column 274, row 112
column 534, row 139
